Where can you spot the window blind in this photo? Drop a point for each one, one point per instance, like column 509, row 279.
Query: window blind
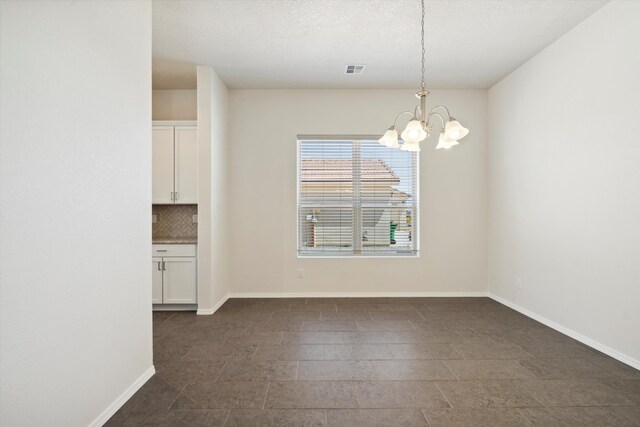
column 356, row 198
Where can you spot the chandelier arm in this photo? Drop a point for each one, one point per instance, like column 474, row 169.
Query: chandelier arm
column 443, row 107
column 398, row 116
column 434, row 113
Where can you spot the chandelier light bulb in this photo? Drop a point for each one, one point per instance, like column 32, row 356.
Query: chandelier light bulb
column 414, row 132
column 390, row 138
column 454, row 130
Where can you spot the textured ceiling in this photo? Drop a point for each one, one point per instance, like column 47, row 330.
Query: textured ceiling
column 307, row 43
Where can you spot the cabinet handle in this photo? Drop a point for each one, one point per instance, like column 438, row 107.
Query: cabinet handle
column 176, row 196
column 163, row 266
column 161, row 250
column 172, row 196
column 159, row 266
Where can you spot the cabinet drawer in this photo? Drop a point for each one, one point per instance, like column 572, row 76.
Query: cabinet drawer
column 174, row 250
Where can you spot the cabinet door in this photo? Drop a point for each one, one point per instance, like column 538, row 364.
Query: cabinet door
column 162, row 185
column 156, row 280
column 179, row 281
column 186, row 164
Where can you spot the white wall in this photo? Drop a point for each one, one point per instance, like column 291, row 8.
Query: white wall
column 175, row 105
column 262, row 184
column 75, row 197
column 564, row 184
column 213, row 270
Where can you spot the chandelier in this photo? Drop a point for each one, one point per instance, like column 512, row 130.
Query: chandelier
column 420, row 126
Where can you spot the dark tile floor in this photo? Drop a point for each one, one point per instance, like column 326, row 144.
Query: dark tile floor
column 376, row 362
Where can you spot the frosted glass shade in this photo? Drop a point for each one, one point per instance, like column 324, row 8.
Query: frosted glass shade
column 444, row 142
column 410, row 146
column 414, row 132
column 455, row 131
column 390, row 138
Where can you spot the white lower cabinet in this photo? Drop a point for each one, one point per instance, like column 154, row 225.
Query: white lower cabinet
column 156, row 274
column 174, row 274
column 179, row 281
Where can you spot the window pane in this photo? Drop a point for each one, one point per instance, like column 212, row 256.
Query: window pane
column 387, row 230
column 325, row 197
column 325, row 230
column 387, row 189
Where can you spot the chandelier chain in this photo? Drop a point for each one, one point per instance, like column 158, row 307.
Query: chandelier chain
column 422, row 83
column 420, row 126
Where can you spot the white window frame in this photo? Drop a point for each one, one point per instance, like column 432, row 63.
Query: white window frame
column 357, row 243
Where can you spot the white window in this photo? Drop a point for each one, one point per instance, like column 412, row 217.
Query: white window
column 356, row 198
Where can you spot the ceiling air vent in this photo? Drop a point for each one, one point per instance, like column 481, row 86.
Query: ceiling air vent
column 354, row 69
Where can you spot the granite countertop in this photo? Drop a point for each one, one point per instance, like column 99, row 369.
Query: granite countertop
column 175, row 240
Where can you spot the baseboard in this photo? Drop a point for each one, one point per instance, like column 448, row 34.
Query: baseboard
column 209, row 311
column 570, row 333
column 175, row 307
column 354, row 294
column 122, row 399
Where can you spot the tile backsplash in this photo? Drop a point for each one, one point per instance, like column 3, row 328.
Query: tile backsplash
column 175, row 221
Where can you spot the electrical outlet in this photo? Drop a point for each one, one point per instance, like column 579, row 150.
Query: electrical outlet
column 300, row 273
column 194, row 219
column 519, row 282
column 154, row 218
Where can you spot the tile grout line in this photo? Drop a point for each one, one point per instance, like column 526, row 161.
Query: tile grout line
column 177, row 396
column 462, row 357
column 220, row 373
column 265, row 395
column 533, row 394
column 624, row 415
column 254, row 352
column 450, row 370
column 226, row 418
column 519, row 412
column 425, row 417
column 442, row 393
column 185, row 355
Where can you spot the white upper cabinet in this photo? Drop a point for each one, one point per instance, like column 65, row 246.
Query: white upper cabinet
column 186, row 165
column 175, row 164
column 162, row 191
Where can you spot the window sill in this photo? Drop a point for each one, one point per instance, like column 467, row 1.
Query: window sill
column 357, row 256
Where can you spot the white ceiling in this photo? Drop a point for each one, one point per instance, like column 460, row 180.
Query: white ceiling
column 307, row 43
